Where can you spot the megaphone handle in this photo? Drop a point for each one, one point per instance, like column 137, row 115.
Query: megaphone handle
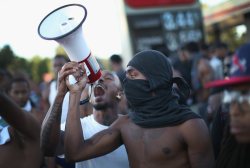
column 92, row 68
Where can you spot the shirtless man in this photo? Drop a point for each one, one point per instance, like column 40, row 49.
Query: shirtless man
column 20, row 140
column 157, row 132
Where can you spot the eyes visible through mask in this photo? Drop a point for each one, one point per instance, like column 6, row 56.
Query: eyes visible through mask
column 133, row 73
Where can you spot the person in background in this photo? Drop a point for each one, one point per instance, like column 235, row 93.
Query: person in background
column 204, row 49
column 5, row 78
column 214, row 103
column 182, row 64
column 105, row 98
column 215, row 63
column 201, row 72
column 222, row 53
column 157, row 132
column 116, row 63
column 19, row 91
column 19, row 137
column 234, row 148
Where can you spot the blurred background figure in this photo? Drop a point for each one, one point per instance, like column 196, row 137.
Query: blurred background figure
column 220, row 59
column 116, row 64
column 215, row 62
column 182, row 64
column 49, row 92
column 213, row 105
column 231, row 127
column 5, row 78
column 19, row 91
column 193, row 65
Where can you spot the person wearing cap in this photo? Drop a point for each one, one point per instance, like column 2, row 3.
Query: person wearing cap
column 157, row 132
column 235, row 145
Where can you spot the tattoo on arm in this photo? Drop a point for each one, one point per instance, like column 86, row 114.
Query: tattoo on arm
column 98, row 137
column 53, row 117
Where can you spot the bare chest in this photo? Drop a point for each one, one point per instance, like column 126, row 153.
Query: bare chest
column 154, row 143
column 13, row 154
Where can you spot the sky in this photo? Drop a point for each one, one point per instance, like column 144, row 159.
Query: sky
column 20, row 20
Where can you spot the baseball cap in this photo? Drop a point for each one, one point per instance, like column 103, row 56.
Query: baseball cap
column 239, row 70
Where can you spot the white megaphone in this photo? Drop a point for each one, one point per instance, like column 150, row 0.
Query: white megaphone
column 64, row 26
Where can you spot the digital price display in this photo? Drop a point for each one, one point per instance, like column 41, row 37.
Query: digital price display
column 168, row 29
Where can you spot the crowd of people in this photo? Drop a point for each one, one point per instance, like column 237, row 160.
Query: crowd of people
column 188, row 110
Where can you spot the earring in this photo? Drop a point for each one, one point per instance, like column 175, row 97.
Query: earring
column 118, row 97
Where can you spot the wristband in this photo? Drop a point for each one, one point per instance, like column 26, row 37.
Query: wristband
column 82, row 102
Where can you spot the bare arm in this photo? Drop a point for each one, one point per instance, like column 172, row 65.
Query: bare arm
column 86, row 108
column 198, row 142
column 23, row 122
column 44, row 102
column 51, row 137
column 50, row 132
column 78, row 149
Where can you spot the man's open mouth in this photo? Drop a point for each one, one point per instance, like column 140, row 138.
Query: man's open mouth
column 99, row 90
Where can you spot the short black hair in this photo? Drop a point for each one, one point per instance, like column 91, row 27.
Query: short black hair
column 221, row 45
column 204, row 46
column 17, row 80
column 191, row 47
column 116, row 58
column 4, row 72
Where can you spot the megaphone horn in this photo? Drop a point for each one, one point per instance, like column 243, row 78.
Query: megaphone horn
column 64, row 26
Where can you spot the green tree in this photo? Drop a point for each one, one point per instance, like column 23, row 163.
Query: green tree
column 228, row 36
column 20, row 64
column 60, row 50
column 6, row 56
column 43, row 67
column 232, row 39
column 38, row 68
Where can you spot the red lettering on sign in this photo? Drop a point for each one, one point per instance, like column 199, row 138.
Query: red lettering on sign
column 157, row 3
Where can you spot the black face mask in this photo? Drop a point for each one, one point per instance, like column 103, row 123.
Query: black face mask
column 152, row 102
column 137, row 91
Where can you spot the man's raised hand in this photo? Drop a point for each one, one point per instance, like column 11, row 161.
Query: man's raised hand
column 80, row 76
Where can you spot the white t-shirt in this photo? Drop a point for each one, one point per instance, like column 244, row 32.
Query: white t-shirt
column 217, row 66
column 52, row 96
column 27, row 107
column 115, row 159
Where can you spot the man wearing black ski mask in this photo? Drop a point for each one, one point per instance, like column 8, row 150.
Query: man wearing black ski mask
column 157, row 132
